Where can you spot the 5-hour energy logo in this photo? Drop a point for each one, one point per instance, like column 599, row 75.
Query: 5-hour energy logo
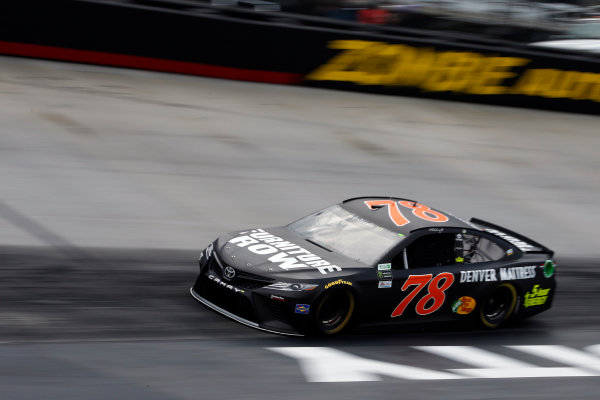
column 536, row 297
column 377, row 63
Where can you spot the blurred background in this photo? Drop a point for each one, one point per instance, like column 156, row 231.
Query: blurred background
column 526, row 21
column 114, row 179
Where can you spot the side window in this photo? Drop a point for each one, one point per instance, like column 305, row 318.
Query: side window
column 441, row 249
column 478, row 249
column 434, row 250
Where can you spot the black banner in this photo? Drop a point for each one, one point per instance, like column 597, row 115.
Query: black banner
column 195, row 38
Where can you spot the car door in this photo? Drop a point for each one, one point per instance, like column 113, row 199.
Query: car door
column 422, row 283
column 413, row 294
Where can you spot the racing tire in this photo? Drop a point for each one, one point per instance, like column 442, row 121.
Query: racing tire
column 334, row 311
column 499, row 306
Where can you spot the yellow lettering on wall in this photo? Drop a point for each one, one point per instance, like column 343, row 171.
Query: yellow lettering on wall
column 493, row 74
column 586, row 87
column 535, row 82
column 340, row 67
column 563, row 85
column 554, row 83
column 452, row 71
column 411, row 66
column 377, row 63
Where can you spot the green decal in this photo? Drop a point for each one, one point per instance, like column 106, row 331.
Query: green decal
column 384, row 275
column 536, row 297
column 384, row 267
column 455, row 305
column 549, row 268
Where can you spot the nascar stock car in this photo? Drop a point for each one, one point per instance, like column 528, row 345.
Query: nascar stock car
column 375, row 260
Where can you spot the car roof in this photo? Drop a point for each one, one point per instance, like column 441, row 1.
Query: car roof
column 376, row 209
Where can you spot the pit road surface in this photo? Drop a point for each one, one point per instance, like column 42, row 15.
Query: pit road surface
column 113, row 181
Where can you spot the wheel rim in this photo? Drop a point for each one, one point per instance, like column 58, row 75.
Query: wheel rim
column 496, row 305
column 334, row 312
column 499, row 306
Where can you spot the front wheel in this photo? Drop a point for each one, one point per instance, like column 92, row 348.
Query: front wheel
column 498, row 307
column 334, row 311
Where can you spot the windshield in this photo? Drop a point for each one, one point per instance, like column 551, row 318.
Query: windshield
column 343, row 232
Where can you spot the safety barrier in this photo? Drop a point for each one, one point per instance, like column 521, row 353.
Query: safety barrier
column 190, row 37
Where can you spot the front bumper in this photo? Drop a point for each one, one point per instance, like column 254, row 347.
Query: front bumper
column 248, row 302
column 237, row 318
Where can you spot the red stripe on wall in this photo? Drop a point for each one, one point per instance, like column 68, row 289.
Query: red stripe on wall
column 149, row 63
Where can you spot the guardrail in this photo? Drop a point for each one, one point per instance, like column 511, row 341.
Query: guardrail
column 189, row 37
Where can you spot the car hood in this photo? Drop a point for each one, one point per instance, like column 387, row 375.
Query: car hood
column 281, row 253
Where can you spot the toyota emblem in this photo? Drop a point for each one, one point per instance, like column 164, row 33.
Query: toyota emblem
column 229, row 273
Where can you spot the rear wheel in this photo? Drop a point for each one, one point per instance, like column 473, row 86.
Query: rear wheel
column 334, row 311
column 499, row 306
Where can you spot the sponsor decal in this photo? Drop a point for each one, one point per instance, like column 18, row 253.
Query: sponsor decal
column 278, row 298
column 490, row 275
column 302, row 308
column 509, row 274
column 536, row 297
column 549, row 267
column 229, row 273
column 338, row 282
column 436, row 291
column 425, row 68
column 224, row 284
column 436, row 230
column 395, row 213
column 384, row 275
column 555, row 83
column 285, row 255
column 466, row 72
column 463, row 305
column 459, row 259
column 510, row 252
column 384, row 267
column 521, row 245
column 384, row 284
column 478, row 275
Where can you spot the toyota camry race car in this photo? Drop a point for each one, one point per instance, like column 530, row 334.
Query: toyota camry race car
column 374, row 260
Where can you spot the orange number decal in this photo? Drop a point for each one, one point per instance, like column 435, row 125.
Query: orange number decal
column 420, row 281
column 424, row 212
column 393, row 210
column 435, row 291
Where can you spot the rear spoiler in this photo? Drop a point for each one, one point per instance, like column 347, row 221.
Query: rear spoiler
column 523, row 243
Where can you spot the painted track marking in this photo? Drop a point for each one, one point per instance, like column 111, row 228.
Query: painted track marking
column 324, row 364
column 564, row 355
column 491, row 365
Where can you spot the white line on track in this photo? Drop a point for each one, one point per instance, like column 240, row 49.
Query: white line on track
column 491, row 365
column 324, row 364
column 564, row 355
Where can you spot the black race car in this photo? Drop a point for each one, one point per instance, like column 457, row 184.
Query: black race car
column 375, row 260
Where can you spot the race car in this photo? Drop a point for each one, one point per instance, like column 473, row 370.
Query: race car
column 375, row 260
